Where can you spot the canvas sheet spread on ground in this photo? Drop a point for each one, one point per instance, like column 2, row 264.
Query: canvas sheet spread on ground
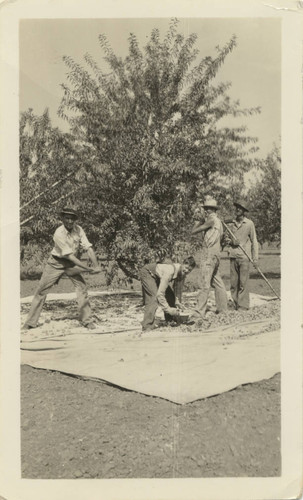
column 180, row 363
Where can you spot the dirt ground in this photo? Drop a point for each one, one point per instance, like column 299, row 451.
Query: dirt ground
column 76, row 428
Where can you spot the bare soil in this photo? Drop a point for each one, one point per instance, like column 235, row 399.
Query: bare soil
column 76, row 428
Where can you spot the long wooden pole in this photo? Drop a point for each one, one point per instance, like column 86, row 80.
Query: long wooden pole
column 47, row 190
column 249, row 258
column 53, row 203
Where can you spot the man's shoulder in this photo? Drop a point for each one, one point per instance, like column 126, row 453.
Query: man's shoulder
column 60, row 230
column 165, row 265
column 215, row 220
column 78, row 229
column 167, row 268
column 212, row 218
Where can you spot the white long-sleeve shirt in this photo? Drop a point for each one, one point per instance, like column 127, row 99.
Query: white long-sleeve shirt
column 245, row 233
column 167, row 274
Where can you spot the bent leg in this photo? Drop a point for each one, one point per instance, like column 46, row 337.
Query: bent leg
column 49, row 277
column 206, row 272
column 234, row 281
column 171, row 300
column 82, row 297
column 150, row 288
column 220, row 290
column 243, row 295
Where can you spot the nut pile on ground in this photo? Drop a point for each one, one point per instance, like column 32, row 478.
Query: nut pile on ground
column 257, row 313
column 127, row 311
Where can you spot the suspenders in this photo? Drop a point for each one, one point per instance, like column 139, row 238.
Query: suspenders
column 152, row 269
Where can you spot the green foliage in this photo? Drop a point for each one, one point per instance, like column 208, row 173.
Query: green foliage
column 46, row 156
column 149, row 145
column 265, row 199
column 52, row 171
column 34, row 256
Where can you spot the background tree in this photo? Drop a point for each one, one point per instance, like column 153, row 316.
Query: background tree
column 265, row 199
column 52, row 169
column 152, row 143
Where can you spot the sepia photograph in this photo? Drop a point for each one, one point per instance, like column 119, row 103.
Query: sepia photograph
column 149, row 167
column 149, row 173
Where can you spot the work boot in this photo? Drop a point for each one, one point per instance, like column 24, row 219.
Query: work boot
column 90, row 325
column 149, row 328
column 231, row 304
column 26, row 327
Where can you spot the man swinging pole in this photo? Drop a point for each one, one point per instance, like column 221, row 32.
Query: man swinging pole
column 69, row 240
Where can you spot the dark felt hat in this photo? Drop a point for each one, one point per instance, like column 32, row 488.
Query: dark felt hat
column 69, row 211
column 241, row 204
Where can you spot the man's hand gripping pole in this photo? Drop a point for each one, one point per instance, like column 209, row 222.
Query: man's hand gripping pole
column 249, row 258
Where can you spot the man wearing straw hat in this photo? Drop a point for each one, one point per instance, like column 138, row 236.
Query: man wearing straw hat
column 69, row 240
column 212, row 231
column 245, row 236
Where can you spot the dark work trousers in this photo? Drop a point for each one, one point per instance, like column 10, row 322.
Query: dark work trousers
column 239, row 276
column 53, row 271
column 178, row 284
column 150, row 284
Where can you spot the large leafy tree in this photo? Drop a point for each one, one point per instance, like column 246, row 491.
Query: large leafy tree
column 265, row 198
column 153, row 143
column 52, row 170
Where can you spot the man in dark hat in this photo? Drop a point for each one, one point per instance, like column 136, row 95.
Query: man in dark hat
column 245, row 235
column 69, row 241
column 212, row 231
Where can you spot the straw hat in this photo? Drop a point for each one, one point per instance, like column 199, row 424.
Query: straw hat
column 211, row 203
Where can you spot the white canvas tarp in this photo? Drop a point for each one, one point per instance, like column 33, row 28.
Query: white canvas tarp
column 168, row 363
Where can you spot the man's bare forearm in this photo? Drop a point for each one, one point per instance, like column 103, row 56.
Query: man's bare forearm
column 198, row 227
column 92, row 256
column 72, row 258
